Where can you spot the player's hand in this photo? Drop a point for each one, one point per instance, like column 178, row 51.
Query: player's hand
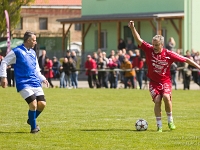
column 131, row 24
column 4, row 82
column 46, row 82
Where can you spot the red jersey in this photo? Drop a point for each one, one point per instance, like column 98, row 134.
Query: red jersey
column 159, row 63
column 48, row 67
column 137, row 62
column 89, row 65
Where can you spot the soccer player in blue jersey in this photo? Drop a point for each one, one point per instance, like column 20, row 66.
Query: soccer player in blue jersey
column 28, row 77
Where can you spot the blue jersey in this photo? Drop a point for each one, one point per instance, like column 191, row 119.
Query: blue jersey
column 26, row 74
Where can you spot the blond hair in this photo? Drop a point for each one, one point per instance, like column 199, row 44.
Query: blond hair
column 159, row 38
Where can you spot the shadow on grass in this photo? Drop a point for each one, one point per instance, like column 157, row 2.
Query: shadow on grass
column 106, row 130
column 3, row 132
column 132, row 130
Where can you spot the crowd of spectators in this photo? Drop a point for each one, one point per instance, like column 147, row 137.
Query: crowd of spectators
column 128, row 67
column 63, row 69
column 123, row 67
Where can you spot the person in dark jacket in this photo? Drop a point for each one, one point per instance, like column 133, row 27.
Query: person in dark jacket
column 55, row 68
column 41, row 61
column 121, row 44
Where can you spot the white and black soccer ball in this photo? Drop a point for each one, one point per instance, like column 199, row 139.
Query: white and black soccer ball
column 141, row 125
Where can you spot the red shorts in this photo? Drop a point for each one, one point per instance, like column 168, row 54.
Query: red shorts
column 159, row 89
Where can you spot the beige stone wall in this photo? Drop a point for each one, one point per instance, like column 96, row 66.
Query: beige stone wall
column 31, row 22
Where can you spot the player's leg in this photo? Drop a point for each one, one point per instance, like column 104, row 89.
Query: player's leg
column 32, row 113
column 157, row 97
column 157, row 112
column 41, row 102
column 30, row 98
column 168, row 109
column 168, row 104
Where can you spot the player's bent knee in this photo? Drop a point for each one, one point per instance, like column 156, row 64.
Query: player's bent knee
column 33, row 105
column 167, row 97
column 41, row 105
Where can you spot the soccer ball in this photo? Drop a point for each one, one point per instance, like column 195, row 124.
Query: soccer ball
column 141, row 125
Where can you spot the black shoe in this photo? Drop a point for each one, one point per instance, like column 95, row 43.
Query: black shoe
column 28, row 122
column 37, row 127
column 34, row 130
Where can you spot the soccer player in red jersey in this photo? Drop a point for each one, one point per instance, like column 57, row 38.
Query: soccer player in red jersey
column 158, row 61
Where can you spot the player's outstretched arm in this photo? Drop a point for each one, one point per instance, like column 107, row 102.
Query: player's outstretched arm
column 135, row 33
column 192, row 63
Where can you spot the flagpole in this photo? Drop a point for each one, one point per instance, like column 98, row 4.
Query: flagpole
column 8, row 31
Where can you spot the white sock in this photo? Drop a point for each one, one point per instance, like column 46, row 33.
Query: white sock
column 159, row 122
column 169, row 117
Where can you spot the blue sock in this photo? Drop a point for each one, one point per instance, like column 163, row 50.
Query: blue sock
column 37, row 113
column 32, row 118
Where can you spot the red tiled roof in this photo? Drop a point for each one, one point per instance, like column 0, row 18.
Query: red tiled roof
column 57, row 2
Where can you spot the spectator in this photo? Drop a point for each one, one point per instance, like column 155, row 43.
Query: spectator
column 55, row 68
column 99, row 51
column 1, row 58
column 41, row 61
column 128, row 75
column 187, row 76
column 90, row 66
column 145, row 78
column 63, row 67
column 121, row 59
column 173, row 69
column 187, row 72
column 195, row 73
column 10, row 75
column 112, row 53
column 171, row 44
column 121, row 44
column 74, row 74
column 193, row 53
column 130, row 45
column 95, row 57
column 125, row 54
column 180, row 65
column 132, row 55
column 102, row 75
column 112, row 74
column 48, row 71
column 68, row 69
column 105, row 58
column 137, row 64
column 68, row 54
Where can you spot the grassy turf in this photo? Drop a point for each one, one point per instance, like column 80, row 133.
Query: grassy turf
column 98, row 119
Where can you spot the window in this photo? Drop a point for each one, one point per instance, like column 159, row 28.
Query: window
column 43, row 23
column 77, row 27
column 164, row 33
column 103, row 40
column 20, row 24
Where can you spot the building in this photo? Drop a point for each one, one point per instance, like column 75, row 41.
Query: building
column 104, row 22
column 40, row 17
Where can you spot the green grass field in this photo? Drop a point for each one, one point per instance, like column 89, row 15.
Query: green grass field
column 98, row 119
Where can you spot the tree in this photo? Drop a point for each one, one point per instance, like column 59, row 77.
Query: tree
column 14, row 8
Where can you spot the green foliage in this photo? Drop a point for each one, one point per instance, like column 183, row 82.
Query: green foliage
column 98, row 119
column 13, row 7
